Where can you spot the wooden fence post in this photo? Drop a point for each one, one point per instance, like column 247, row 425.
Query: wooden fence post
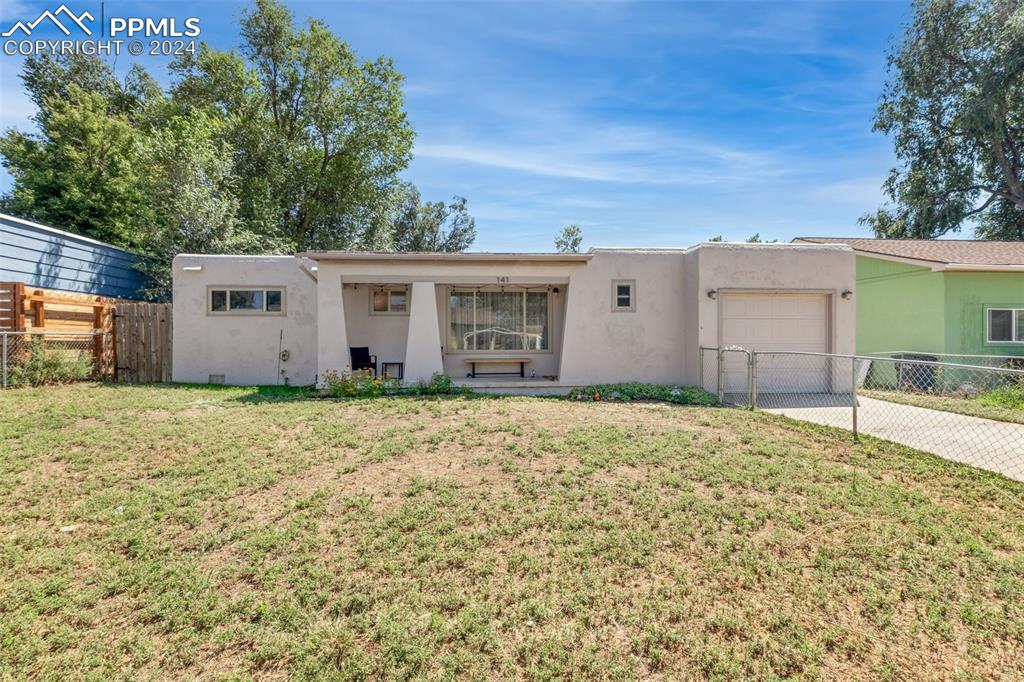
column 19, row 306
column 97, row 336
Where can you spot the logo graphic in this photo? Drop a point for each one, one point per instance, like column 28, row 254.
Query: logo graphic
column 52, row 16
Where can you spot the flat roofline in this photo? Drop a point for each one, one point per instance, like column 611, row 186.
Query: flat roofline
column 775, row 246
column 420, row 256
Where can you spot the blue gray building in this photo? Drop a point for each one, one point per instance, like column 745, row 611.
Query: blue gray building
column 49, row 258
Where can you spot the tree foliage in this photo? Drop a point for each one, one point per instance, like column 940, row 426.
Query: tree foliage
column 193, row 197
column 80, row 170
column 954, row 107
column 569, row 239
column 433, row 226
column 291, row 143
column 321, row 136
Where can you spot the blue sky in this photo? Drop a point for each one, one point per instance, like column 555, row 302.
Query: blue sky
column 648, row 123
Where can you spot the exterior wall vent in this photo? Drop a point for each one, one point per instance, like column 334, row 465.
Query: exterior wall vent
column 216, row 378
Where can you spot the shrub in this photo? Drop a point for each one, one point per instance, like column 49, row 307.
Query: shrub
column 441, row 384
column 1009, row 395
column 44, row 366
column 362, row 384
column 682, row 395
column 359, row 384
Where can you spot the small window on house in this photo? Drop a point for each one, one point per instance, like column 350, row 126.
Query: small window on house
column 623, row 295
column 389, row 300
column 218, row 300
column 246, row 301
column 1005, row 325
column 273, row 301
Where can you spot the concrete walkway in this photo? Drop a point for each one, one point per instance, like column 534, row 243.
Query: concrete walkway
column 984, row 443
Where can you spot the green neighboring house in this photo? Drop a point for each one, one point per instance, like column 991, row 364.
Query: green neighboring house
column 938, row 296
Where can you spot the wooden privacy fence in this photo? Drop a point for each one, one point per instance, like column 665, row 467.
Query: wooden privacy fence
column 130, row 341
column 142, row 342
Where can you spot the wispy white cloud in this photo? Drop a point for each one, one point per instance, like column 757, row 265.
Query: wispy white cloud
column 612, row 154
column 13, row 10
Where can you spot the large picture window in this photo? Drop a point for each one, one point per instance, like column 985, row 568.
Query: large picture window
column 498, row 321
column 1005, row 325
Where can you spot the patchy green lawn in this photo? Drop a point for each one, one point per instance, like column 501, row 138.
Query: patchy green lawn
column 998, row 404
column 220, row 532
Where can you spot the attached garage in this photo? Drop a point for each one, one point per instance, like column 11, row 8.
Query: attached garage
column 776, row 321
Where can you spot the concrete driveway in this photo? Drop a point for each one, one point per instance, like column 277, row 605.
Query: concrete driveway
column 984, row 443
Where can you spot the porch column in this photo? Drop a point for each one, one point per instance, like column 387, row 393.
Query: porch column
column 331, row 334
column 423, row 345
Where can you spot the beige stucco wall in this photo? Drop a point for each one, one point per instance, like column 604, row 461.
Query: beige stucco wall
column 244, row 348
column 659, row 342
column 829, row 269
column 645, row 345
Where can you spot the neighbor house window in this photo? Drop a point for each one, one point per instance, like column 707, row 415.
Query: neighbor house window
column 623, row 295
column 389, row 300
column 498, row 321
column 255, row 301
column 1005, row 325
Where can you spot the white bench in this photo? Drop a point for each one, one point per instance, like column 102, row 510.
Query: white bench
column 473, row 362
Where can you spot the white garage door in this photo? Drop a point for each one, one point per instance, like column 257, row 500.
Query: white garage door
column 776, row 321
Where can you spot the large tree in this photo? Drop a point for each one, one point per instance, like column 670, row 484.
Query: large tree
column 79, row 171
column 431, row 226
column 319, row 136
column 954, row 107
column 290, row 143
column 193, row 199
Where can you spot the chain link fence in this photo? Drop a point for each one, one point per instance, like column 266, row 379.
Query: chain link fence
column 727, row 373
column 34, row 358
column 1003, row 361
column 964, row 412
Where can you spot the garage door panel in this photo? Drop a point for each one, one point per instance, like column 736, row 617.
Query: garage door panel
column 799, row 306
column 776, row 322
column 733, row 307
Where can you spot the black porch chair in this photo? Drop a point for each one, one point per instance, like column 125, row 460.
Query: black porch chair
column 361, row 359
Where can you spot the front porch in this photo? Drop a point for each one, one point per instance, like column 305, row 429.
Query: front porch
column 507, row 329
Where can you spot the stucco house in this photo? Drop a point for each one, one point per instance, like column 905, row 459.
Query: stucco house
column 608, row 315
column 938, row 296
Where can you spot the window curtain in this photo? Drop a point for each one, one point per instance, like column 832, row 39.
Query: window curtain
column 498, row 320
column 537, row 320
column 460, row 334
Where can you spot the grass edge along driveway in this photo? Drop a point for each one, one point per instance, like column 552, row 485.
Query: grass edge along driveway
column 971, row 407
column 224, row 532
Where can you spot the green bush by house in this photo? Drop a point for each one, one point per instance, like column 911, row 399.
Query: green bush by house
column 43, row 366
column 682, row 395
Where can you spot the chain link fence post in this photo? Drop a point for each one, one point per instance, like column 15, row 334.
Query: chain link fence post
column 853, row 398
column 700, row 367
column 753, row 379
column 719, row 371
